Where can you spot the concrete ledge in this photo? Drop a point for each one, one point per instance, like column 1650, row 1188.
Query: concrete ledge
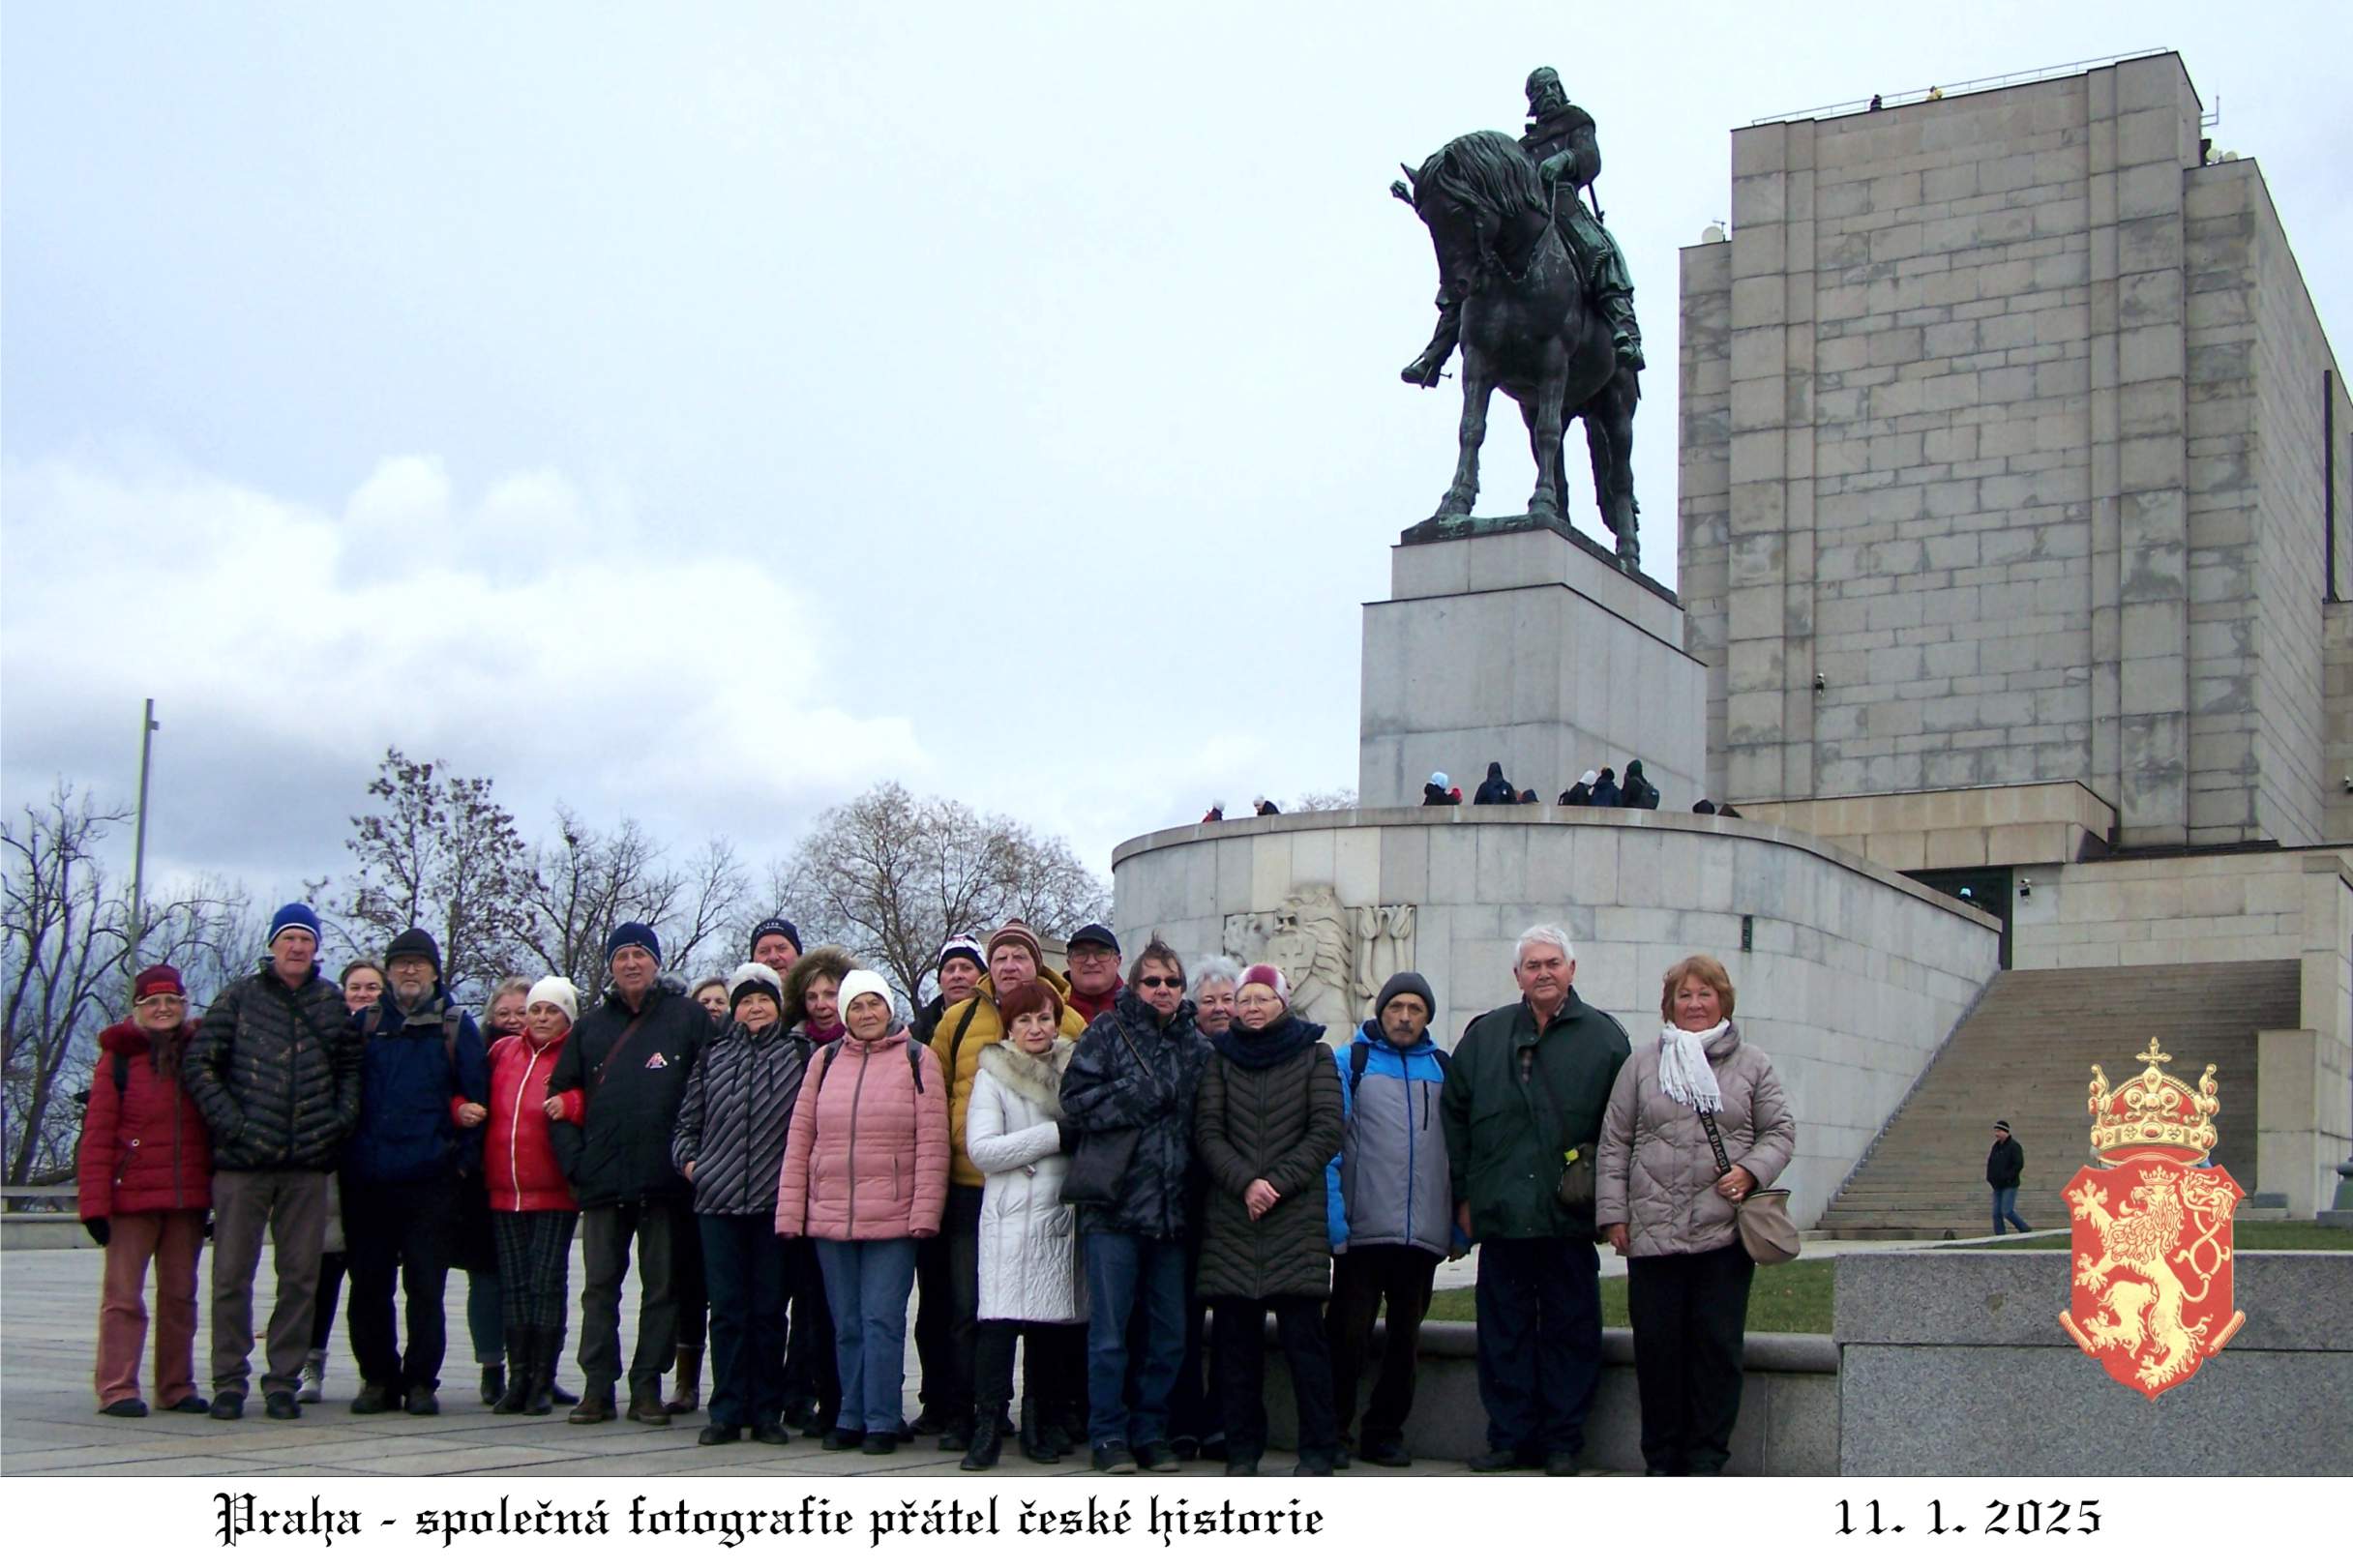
column 1953, row 1363
column 1789, row 1403
column 1574, row 817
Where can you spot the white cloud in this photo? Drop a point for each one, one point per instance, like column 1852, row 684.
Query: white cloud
column 525, row 634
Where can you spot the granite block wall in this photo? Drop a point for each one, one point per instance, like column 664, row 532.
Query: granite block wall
column 2022, row 460
column 1854, row 974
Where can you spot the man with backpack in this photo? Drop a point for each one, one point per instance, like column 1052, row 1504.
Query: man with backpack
column 1390, row 1206
column 425, row 1087
column 617, row 1089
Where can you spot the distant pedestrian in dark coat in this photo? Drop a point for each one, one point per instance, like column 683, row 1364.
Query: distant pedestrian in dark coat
column 2004, row 1164
column 1581, row 793
column 1639, row 791
column 1434, row 793
column 1495, row 790
column 1605, row 790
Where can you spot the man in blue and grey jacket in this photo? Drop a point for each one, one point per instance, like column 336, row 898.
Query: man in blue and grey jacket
column 1390, row 1205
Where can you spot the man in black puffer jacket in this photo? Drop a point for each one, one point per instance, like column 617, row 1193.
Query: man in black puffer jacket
column 275, row 1068
column 1137, row 1067
column 620, row 1080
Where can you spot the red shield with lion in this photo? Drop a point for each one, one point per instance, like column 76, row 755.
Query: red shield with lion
column 2152, row 1241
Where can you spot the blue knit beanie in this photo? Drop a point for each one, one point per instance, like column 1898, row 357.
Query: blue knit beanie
column 292, row 917
column 632, row 934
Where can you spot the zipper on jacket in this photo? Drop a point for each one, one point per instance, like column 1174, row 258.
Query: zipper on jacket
column 1404, row 1081
column 857, row 1090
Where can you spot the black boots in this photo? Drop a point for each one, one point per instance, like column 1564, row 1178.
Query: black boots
column 522, row 1356
column 988, row 1441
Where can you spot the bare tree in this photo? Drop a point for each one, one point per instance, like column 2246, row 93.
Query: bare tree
column 1343, row 799
column 585, row 882
column 66, row 931
column 890, row 876
column 66, row 926
column 441, row 853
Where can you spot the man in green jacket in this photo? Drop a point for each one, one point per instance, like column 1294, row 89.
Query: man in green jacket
column 1528, row 1085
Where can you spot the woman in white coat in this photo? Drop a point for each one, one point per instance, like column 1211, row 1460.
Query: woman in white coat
column 1030, row 1283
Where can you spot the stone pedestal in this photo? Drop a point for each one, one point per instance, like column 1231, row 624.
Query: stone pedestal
column 1511, row 641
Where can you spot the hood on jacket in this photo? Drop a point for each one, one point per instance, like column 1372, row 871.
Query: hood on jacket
column 1037, row 1079
column 1368, row 1033
column 1254, row 1049
column 833, row 963
column 133, row 1038
column 613, row 993
column 1131, row 1006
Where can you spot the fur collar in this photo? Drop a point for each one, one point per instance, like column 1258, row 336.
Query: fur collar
column 1037, row 1079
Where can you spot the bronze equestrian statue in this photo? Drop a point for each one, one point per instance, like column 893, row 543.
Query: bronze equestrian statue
column 1536, row 293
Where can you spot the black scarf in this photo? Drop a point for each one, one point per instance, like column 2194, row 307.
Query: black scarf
column 1258, row 1050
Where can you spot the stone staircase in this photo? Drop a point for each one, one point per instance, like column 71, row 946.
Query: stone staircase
column 2025, row 1056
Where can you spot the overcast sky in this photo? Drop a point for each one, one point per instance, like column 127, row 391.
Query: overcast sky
column 704, row 411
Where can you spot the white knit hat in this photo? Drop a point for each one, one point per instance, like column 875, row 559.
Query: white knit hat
column 755, row 977
column 864, row 983
column 557, row 990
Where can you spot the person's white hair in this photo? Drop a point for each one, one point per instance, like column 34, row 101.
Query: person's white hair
column 1543, row 937
column 1216, row 967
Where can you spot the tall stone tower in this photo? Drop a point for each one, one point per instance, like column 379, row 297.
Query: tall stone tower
column 2015, row 467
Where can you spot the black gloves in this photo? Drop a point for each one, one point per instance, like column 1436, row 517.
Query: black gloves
column 99, row 1231
column 1069, row 1135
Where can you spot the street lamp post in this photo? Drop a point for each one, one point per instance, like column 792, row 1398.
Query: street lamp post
column 138, row 847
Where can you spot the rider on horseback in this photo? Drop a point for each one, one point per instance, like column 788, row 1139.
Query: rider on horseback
column 1560, row 139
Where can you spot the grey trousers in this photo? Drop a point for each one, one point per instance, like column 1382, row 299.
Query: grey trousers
column 291, row 1207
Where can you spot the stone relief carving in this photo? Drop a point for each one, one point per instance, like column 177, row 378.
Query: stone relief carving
column 1335, row 956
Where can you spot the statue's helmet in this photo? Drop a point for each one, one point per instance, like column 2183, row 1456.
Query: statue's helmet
column 1544, row 90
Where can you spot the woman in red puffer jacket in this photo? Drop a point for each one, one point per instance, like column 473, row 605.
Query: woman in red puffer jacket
column 533, row 1211
column 146, row 1180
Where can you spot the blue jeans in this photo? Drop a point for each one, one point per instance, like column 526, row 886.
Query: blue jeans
column 1122, row 1270
column 2006, row 1207
column 1539, row 1342
column 867, row 1284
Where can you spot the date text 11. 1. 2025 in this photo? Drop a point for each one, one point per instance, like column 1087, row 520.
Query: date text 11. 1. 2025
column 2026, row 1517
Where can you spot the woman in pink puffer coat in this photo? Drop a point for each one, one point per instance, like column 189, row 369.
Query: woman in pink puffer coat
column 866, row 1176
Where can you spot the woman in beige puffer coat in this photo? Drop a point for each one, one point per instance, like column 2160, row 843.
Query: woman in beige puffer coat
column 1671, row 1210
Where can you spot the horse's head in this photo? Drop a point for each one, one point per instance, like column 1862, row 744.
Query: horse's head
column 1485, row 207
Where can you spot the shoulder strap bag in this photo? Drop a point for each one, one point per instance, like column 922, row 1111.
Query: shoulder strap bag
column 1098, row 1167
column 1578, row 1191
column 1766, row 1229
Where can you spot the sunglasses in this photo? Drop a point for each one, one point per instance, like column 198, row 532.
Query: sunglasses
column 1161, row 983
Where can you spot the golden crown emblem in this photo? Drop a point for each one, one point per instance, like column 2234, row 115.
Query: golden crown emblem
column 2153, row 1115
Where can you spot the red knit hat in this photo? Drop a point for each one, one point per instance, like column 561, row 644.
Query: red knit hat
column 1265, row 974
column 156, row 980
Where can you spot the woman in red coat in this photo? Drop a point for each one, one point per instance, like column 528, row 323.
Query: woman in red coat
column 146, row 1180
column 532, row 1212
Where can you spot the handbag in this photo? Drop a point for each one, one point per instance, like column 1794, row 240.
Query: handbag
column 1098, row 1167
column 1578, row 1191
column 1766, row 1230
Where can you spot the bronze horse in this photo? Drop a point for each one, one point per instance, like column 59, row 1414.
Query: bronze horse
column 1526, row 327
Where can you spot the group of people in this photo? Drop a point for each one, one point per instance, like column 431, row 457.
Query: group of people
column 1125, row 1170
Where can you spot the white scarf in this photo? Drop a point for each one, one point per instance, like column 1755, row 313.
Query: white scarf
column 1683, row 1074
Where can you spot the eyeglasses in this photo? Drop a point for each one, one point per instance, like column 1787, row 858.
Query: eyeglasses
column 1160, row 982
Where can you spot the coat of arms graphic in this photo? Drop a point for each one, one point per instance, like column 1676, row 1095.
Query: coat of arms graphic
column 2152, row 1231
